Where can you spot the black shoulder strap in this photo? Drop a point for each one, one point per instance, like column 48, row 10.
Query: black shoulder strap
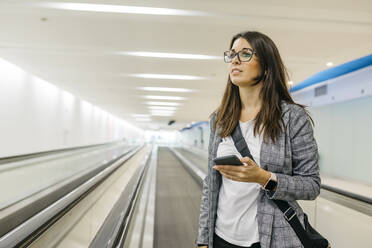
column 289, row 213
column 240, row 143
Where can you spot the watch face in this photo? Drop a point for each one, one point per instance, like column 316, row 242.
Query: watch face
column 271, row 185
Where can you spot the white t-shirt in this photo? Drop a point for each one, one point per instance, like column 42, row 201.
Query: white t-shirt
column 237, row 205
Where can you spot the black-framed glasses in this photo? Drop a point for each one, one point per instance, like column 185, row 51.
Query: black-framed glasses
column 244, row 55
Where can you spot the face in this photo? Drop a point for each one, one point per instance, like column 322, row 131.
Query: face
column 243, row 73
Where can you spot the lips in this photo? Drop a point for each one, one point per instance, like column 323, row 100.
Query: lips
column 235, row 70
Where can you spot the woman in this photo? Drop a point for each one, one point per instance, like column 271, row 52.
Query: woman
column 236, row 208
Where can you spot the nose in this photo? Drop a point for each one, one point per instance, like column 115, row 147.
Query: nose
column 236, row 59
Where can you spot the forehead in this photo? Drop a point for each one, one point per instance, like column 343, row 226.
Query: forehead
column 240, row 43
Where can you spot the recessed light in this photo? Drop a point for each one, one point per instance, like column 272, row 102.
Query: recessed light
column 164, row 103
column 165, row 89
column 329, row 64
column 167, row 76
column 165, row 97
column 170, row 55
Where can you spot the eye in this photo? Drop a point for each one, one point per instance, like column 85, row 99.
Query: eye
column 246, row 54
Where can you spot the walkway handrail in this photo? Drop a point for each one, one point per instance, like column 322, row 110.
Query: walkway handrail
column 113, row 231
column 32, row 228
column 352, row 196
column 4, row 160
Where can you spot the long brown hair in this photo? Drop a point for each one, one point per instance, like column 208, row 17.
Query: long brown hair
column 274, row 90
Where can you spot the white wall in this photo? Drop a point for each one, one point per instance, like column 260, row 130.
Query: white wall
column 38, row 116
column 343, row 120
column 343, row 133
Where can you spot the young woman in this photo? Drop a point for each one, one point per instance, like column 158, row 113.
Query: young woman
column 236, row 208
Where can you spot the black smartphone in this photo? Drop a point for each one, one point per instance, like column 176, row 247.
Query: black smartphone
column 227, row 160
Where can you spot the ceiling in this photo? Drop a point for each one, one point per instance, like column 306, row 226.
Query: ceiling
column 80, row 50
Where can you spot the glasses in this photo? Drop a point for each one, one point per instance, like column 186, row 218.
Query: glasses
column 244, row 55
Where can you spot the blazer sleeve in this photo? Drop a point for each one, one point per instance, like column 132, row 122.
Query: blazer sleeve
column 203, row 232
column 304, row 183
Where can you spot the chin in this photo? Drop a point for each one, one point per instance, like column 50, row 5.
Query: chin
column 241, row 83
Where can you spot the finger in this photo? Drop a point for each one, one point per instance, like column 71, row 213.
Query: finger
column 225, row 175
column 229, row 168
column 232, row 174
column 228, row 176
column 232, row 177
column 245, row 159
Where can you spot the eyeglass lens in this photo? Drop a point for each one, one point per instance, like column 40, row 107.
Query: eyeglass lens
column 244, row 55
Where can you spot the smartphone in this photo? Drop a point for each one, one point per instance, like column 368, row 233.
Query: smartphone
column 227, row 160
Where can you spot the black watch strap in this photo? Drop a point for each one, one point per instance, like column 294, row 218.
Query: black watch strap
column 270, row 185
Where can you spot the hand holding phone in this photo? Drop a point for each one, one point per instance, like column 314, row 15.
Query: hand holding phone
column 228, row 160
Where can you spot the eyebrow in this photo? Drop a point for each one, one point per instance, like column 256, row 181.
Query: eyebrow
column 242, row 48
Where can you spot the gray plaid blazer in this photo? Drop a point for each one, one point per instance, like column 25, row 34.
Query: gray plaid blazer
column 294, row 159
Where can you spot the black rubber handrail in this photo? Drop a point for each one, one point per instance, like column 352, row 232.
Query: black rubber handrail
column 341, row 192
column 348, row 194
column 115, row 227
column 28, row 239
column 14, row 158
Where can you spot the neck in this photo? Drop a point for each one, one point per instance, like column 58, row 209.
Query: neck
column 250, row 98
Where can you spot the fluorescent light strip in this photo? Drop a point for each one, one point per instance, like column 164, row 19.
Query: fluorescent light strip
column 162, row 114
column 165, row 97
column 167, row 76
column 162, row 111
column 162, row 108
column 166, row 89
column 164, row 103
column 110, row 8
column 171, row 55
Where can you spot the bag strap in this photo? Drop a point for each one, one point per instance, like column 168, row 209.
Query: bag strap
column 289, row 213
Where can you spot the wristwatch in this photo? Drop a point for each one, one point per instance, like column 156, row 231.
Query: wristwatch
column 271, row 183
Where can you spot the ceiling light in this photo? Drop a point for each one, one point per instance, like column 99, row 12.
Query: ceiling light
column 329, row 64
column 167, row 76
column 162, row 113
column 165, row 97
column 290, row 82
column 164, row 103
column 110, row 8
column 156, row 110
column 170, row 55
column 162, row 108
column 165, row 89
